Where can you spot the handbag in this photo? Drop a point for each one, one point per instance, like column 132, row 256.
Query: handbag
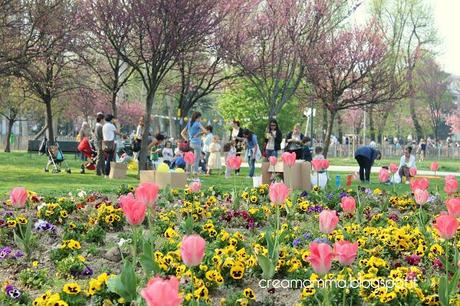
column 108, row 146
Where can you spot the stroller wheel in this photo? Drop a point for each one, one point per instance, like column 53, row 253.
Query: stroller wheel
column 46, row 170
column 68, row 171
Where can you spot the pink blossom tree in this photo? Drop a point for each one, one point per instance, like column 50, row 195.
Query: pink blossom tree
column 49, row 67
column 453, row 121
column 154, row 34
column 269, row 43
column 433, row 89
column 341, row 71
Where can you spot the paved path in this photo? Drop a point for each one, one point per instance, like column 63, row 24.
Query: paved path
column 351, row 169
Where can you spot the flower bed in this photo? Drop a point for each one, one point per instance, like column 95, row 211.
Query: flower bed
column 348, row 247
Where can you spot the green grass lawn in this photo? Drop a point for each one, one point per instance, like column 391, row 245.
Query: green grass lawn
column 22, row 169
column 449, row 165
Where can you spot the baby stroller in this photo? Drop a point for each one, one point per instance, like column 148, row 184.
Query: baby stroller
column 89, row 151
column 55, row 158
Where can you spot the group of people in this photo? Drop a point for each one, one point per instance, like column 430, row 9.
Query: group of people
column 103, row 136
column 242, row 142
column 366, row 156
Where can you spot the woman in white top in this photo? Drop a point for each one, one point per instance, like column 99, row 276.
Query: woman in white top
column 407, row 161
column 140, row 129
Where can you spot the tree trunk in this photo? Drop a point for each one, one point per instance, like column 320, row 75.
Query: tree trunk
column 413, row 112
column 371, row 124
column 340, row 127
column 8, row 135
column 49, row 121
column 324, row 128
column 330, row 126
column 113, row 103
column 143, row 153
column 172, row 122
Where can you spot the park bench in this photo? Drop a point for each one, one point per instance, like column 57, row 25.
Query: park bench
column 65, row 146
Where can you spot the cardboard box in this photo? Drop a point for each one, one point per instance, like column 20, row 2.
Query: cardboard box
column 118, row 171
column 265, row 174
column 163, row 179
column 298, row 176
column 147, row 176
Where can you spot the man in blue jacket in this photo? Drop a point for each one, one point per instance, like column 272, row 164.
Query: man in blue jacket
column 365, row 156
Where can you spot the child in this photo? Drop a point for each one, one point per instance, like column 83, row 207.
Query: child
column 229, row 151
column 154, row 155
column 318, row 153
column 178, row 161
column 167, row 153
column 214, row 162
column 202, row 164
column 306, row 152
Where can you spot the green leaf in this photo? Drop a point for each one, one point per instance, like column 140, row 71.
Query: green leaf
column 442, row 291
column 267, row 266
column 125, row 284
column 147, row 260
column 453, row 284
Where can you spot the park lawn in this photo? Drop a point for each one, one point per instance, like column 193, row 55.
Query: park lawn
column 448, row 165
column 22, row 169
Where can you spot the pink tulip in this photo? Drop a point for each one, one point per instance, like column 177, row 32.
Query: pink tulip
column 328, row 221
column 272, row 160
column 133, row 208
column 346, row 252
column 384, row 175
column 449, row 177
column 450, row 186
column 324, row 164
column 195, row 187
column 393, row 168
column 434, row 166
column 316, row 164
column 289, row 158
column 278, row 193
column 234, row 162
column 412, row 171
column 18, row 197
column 348, row 204
column 320, row 258
column 421, row 196
column 147, row 193
column 446, row 226
column 192, row 250
column 421, row 183
column 162, row 292
column 453, row 207
column 189, row 157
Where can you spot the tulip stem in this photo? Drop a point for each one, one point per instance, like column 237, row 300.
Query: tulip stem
column 192, row 280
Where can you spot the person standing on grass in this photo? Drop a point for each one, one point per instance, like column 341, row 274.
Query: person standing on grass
column 407, row 161
column 214, row 161
column 98, row 142
column 109, row 130
column 252, row 150
column 236, row 136
column 273, row 138
column 192, row 132
column 365, row 156
column 207, row 140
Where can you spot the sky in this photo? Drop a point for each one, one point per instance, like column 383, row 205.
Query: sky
column 446, row 15
column 447, row 19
